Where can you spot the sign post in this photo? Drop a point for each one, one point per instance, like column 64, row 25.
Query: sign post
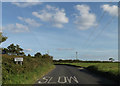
column 18, row 59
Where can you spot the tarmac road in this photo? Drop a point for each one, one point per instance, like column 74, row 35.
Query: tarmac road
column 64, row 74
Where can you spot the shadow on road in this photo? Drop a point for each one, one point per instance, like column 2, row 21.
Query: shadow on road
column 84, row 77
column 89, row 76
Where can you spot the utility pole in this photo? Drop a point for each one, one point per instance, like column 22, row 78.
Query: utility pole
column 76, row 55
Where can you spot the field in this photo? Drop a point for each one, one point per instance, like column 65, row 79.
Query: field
column 107, row 69
column 104, row 67
column 31, row 70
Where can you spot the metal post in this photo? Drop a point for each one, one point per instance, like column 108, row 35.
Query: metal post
column 20, row 62
column 16, row 62
column 76, row 55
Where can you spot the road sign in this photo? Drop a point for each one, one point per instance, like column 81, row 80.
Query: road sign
column 18, row 59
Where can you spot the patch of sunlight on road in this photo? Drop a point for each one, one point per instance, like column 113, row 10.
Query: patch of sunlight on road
column 81, row 68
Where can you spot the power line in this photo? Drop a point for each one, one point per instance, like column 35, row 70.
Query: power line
column 90, row 35
column 95, row 28
column 105, row 27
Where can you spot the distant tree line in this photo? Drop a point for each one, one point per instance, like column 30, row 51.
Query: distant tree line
column 39, row 55
column 70, row 60
column 76, row 61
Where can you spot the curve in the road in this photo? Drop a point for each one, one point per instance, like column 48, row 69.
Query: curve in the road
column 64, row 74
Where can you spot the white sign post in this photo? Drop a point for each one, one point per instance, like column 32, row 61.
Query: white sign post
column 18, row 59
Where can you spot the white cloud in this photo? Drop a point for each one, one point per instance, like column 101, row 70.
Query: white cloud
column 58, row 25
column 65, row 49
column 84, row 19
column 16, row 27
column 52, row 14
column 26, row 4
column 44, row 16
column 111, row 9
column 27, row 50
column 29, row 21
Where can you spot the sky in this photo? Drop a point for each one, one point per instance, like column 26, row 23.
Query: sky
column 63, row 28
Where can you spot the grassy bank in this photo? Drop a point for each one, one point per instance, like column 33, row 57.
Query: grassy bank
column 31, row 70
column 110, row 70
column 29, row 77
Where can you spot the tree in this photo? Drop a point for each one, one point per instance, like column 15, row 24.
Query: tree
column 2, row 38
column 4, row 51
column 29, row 55
column 45, row 56
column 15, row 50
column 22, row 54
column 38, row 54
column 111, row 59
column 18, row 50
column 12, row 49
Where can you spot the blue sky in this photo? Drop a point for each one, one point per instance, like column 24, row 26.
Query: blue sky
column 62, row 28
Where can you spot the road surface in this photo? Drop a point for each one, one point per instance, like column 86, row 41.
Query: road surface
column 64, row 74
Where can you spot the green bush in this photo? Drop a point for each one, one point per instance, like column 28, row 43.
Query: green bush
column 11, row 70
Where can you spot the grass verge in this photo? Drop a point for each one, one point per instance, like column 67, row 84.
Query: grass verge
column 30, row 77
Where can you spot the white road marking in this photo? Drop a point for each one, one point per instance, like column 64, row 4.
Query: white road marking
column 50, row 80
column 59, row 80
column 74, row 79
column 44, row 78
